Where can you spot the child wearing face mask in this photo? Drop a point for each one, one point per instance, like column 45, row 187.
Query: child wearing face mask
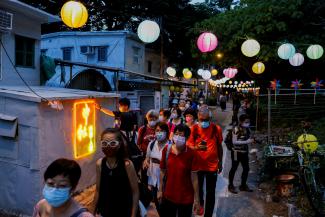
column 61, row 179
column 239, row 154
column 153, row 158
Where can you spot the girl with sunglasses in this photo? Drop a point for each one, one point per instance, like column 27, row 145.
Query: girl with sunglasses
column 117, row 191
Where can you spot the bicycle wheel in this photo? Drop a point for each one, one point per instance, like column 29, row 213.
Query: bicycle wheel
column 315, row 192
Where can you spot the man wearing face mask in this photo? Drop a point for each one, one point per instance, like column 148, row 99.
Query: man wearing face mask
column 206, row 139
column 239, row 154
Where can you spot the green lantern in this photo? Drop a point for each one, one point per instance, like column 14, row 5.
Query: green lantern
column 315, row 51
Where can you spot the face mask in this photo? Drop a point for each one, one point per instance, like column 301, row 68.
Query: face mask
column 182, row 108
column 201, row 102
column 56, row 196
column 188, row 119
column 110, row 152
column 161, row 136
column 152, row 123
column 161, row 118
column 205, row 124
column 179, row 141
column 245, row 125
column 187, row 106
column 173, row 116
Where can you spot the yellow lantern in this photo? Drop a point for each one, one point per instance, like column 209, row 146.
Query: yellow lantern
column 258, row 68
column 171, row 88
column 177, row 89
column 187, row 75
column 74, row 14
column 214, row 72
column 308, row 142
column 230, row 82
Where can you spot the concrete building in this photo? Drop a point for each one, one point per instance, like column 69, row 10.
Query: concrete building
column 20, row 34
column 118, row 49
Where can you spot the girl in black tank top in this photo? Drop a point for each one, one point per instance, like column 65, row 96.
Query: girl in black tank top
column 115, row 194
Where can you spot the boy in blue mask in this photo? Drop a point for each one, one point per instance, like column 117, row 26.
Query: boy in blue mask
column 239, row 153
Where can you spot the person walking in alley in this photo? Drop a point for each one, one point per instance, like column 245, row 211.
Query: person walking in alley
column 61, row 179
column 178, row 188
column 206, row 139
column 239, row 153
column 117, row 190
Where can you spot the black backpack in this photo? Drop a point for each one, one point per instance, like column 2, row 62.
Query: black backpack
column 228, row 140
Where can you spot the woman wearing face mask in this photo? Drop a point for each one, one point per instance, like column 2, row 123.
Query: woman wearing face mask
column 61, row 179
column 190, row 117
column 153, row 158
column 164, row 115
column 117, row 190
column 179, row 191
column 239, row 154
column 175, row 119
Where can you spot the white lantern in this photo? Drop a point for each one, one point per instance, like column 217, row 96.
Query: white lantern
column 236, row 82
column 200, row 71
column 206, row 75
column 286, row 51
column 250, row 48
column 297, row 59
column 171, row 71
column 148, row 31
column 315, row 52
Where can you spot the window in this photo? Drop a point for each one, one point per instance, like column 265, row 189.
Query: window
column 25, row 51
column 43, row 51
column 102, row 53
column 149, row 66
column 136, row 51
column 66, row 53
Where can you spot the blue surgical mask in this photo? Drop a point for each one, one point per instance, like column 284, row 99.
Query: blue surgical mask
column 161, row 136
column 56, row 196
column 205, row 124
column 179, row 141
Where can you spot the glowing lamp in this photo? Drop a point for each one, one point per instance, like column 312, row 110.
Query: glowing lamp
column 206, row 75
column 230, row 82
column 230, row 72
column 258, row 68
column 187, row 73
column 250, row 48
column 171, row 88
column 207, row 42
column 297, row 59
column 308, row 142
column 148, row 31
column 315, row 52
column 214, row 72
column 171, row 71
column 286, row 51
column 74, row 14
column 84, row 125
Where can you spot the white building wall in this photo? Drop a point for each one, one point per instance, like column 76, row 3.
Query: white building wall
column 27, row 27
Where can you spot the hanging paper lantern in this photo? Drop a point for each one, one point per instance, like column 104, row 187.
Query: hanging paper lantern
column 236, row 82
column 207, row 42
column 250, row 48
column 206, row 75
column 171, row 71
column 230, row 82
column 171, row 88
column 258, row 68
column 230, row 72
column 74, row 14
column 148, row 31
column 214, row 72
column 286, row 51
column 200, row 71
column 315, row 52
column 308, row 142
column 177, row 89
column 297, row 59
column 187, row 73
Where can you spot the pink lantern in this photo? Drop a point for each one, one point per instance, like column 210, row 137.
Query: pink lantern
column 230, row 72
column 207, row 42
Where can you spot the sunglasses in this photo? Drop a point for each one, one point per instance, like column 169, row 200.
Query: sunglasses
column 110, row 143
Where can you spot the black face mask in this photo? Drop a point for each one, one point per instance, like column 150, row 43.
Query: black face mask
column 110, row 152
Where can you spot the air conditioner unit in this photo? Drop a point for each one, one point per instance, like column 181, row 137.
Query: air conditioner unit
column 5, row 21
column 87, row 50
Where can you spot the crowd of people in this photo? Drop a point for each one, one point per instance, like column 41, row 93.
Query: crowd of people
column 162, row 164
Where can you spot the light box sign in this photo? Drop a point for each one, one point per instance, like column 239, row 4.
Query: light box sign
column 84, row 125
